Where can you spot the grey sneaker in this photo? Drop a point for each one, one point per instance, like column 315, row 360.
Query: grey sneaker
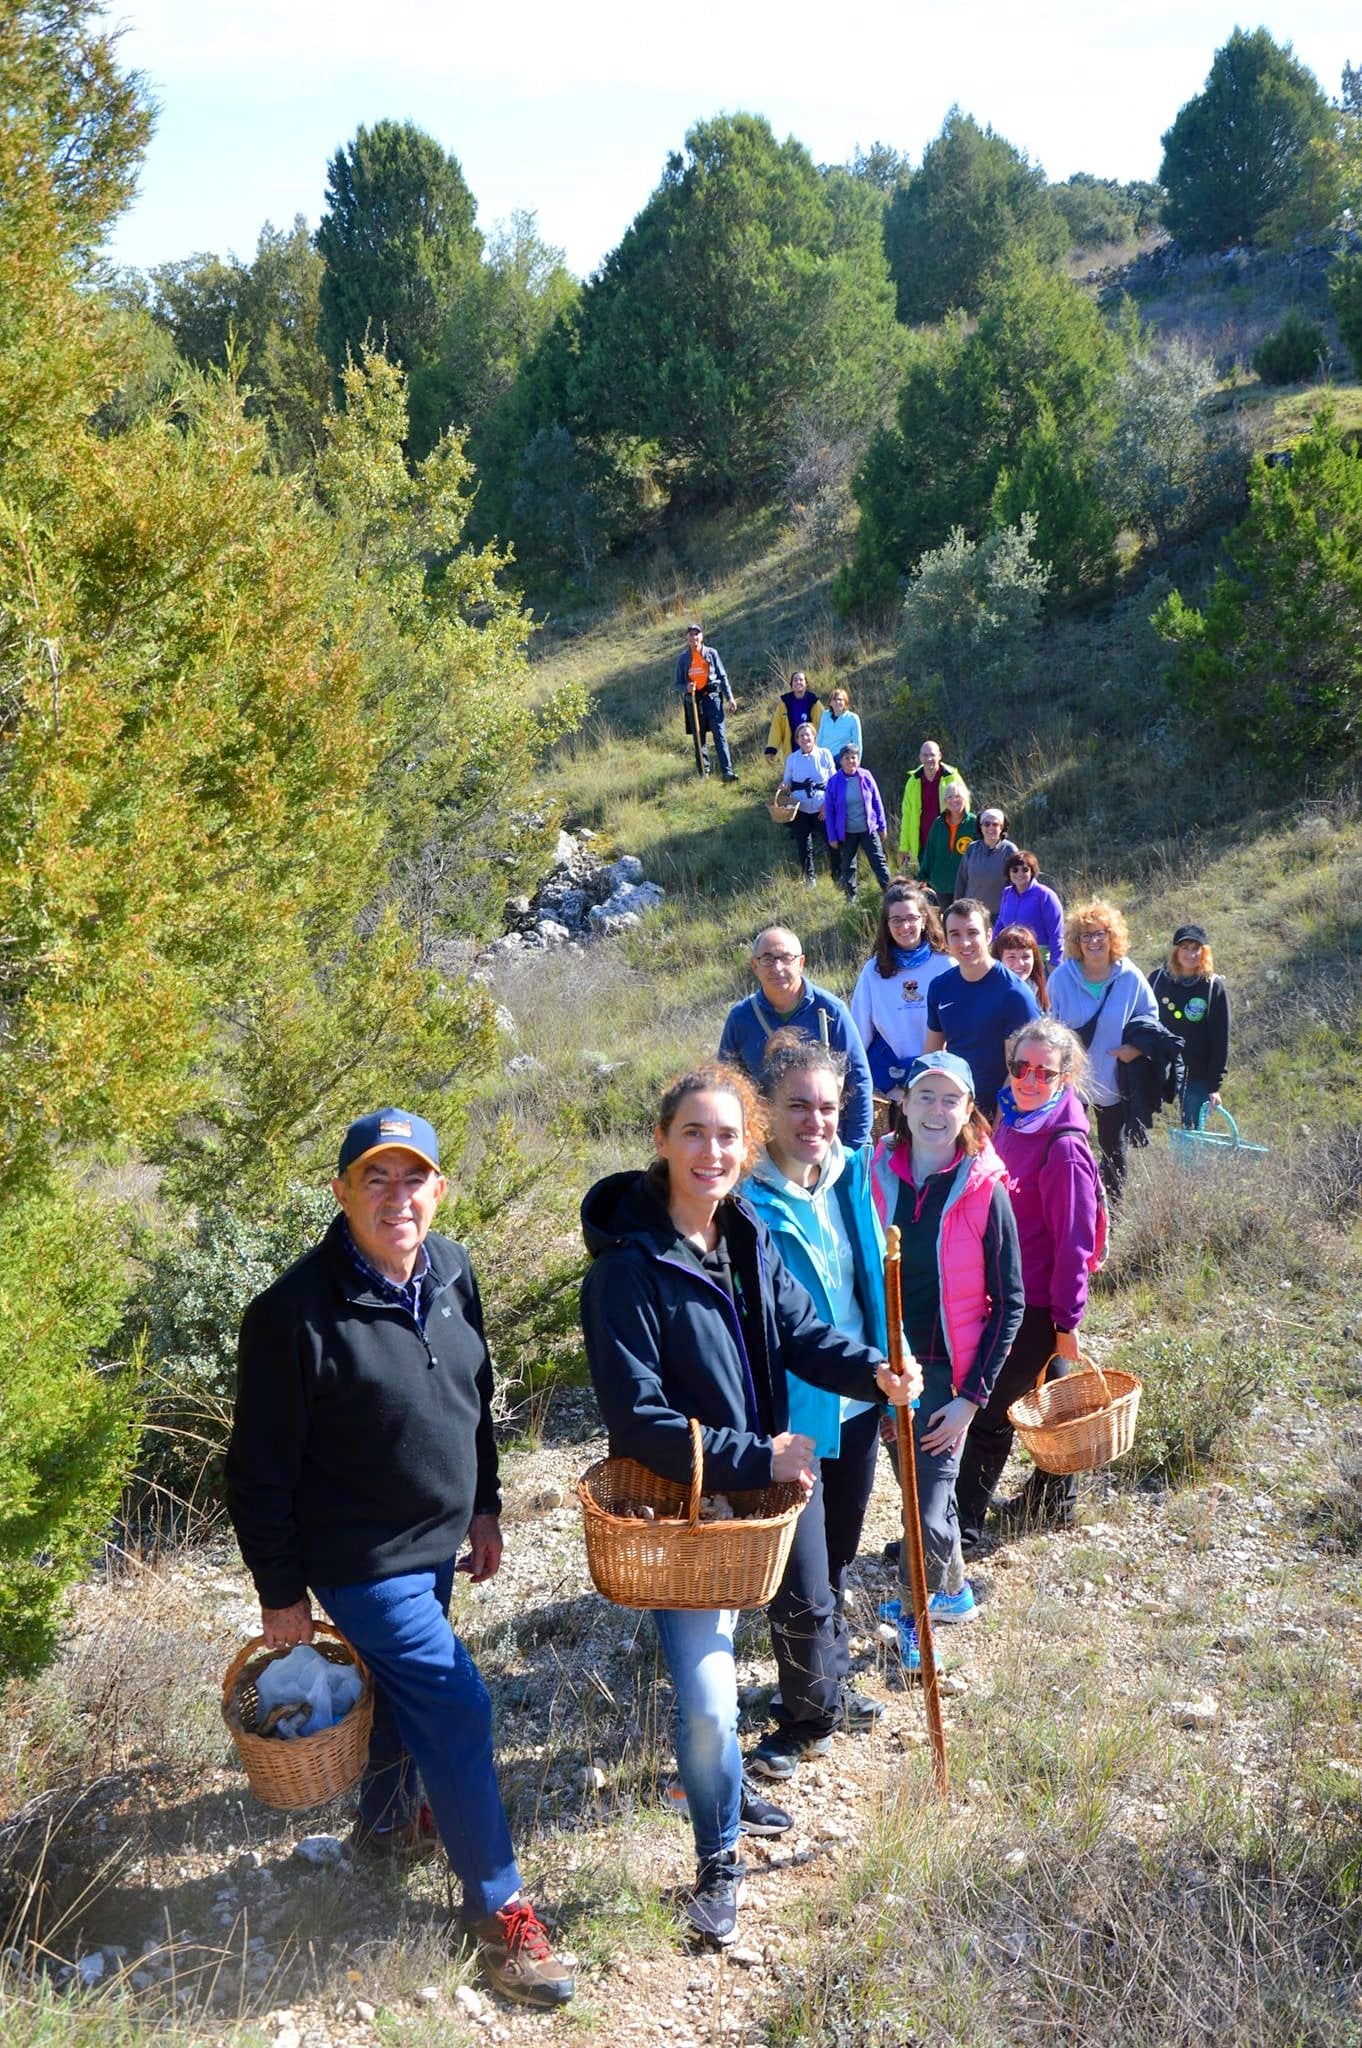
column 759, row 1815
column 779, row 1754
column 859, row 1713
column 712, row 1908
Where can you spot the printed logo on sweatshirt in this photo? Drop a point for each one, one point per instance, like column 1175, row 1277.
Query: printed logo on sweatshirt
column 911, row 991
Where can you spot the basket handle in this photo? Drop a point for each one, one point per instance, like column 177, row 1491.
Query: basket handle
column 697, row 1473
column 1203, row 1121
column 257, row 1643
column 1084, row 1364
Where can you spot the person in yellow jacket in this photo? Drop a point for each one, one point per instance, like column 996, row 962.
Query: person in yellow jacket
column 922, row 804
column 798, row 706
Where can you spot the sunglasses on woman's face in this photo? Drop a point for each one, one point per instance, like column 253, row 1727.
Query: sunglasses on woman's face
column 1019, row 1069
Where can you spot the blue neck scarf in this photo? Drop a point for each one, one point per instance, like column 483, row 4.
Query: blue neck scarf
column 1030, row 1119
column 917, row 957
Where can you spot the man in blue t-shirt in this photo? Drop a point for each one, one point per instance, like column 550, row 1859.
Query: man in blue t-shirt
column 975, row 1006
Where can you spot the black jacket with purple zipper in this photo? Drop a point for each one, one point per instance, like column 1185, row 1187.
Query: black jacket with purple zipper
column 664, row 1341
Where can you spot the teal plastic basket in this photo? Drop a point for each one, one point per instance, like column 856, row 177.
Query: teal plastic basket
column 1201, row 1143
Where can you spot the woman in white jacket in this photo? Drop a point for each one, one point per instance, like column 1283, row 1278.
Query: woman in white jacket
column 889, row 1002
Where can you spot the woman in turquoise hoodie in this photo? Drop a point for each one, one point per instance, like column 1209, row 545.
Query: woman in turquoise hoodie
column 814, row 1197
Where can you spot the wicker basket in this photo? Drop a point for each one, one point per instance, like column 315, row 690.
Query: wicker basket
column 782, row 811
column 1081, row 1422
column 683, row 1563
column 310, row 1769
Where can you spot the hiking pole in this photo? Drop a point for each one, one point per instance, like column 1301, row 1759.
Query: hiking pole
column 693, row 720
column 912, row 1520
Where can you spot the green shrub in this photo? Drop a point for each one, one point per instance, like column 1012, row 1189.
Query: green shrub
column 66, row 1427
column 1198, row 1392
column 197, row 1285
column 1345, row 300
column 1274, row 660
column 1293, row 354
column 971, row 604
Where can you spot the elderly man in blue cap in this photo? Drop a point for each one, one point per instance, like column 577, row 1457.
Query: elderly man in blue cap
column 361, row 1457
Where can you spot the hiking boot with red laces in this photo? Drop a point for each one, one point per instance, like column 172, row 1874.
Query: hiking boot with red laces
column 409, row 1841
column 514, row 1952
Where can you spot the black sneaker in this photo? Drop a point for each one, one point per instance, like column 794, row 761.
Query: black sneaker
column 758, row 1815
column 778, row 1755
column 1047, row 1501
column 893, row 1550
column 712, row 1908
column 859, row 1714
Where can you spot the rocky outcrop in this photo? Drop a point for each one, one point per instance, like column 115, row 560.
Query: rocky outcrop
column 582, row 898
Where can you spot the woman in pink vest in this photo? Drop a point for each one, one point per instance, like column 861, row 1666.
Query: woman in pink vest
column 943, row 1184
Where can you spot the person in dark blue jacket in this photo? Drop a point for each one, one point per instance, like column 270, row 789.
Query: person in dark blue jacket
column 687, row 1310
column 786, row 999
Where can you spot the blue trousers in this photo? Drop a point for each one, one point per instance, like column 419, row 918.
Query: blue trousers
column 698, row 1648
column 431, row 1711
column 936, row 1476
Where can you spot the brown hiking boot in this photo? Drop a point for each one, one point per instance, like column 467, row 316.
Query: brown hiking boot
column 514, row 1952
column 410, row 1841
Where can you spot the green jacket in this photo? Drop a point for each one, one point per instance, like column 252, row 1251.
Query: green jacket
column 941, row 860
column 910, row 827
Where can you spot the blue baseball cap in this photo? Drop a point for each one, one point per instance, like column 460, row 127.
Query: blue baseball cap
column 389, row 1130
column 940, row 1063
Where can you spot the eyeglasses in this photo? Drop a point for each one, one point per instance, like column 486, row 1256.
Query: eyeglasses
column 1019, row 1069
column 904, row 917
column 775, row 959
column 1094, row 938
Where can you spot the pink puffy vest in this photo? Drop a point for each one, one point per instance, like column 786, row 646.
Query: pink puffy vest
column 965, row 1300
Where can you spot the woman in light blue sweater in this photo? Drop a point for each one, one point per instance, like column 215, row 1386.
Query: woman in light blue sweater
column 1097, row 991
column 841, row 726
column 814, row 1197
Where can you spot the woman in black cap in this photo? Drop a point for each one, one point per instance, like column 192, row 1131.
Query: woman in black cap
column 1194, row 1003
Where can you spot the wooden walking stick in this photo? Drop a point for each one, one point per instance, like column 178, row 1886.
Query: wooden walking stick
column 912, row 1520
column 693, row 720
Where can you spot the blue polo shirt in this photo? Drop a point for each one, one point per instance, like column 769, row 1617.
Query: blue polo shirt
column 976, row 1019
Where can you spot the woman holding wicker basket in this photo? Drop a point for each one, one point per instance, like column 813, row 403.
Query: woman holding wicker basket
column 688, row 1312
column 1042, row 1140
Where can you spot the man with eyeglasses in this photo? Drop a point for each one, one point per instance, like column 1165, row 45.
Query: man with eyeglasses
column 785, row 999
column 974, row 1007
column 706, row 695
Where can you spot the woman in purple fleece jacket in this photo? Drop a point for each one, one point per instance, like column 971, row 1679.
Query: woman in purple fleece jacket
column 1042, row 1139
column 853, row 818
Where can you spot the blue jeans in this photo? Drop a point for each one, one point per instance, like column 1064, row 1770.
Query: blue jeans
column 431, row 1710
column 698, row 1648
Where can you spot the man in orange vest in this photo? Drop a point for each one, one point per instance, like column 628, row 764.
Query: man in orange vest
column 706, row 694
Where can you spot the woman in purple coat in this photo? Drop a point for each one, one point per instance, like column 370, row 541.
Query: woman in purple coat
column 1042, row 1140
column 1028, row 901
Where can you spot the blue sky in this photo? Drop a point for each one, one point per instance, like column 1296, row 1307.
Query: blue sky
column 571, row 112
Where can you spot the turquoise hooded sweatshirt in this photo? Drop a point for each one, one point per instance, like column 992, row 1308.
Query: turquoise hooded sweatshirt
column 807, row 1241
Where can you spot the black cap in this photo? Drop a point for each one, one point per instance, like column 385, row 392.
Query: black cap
column 1190, row 935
